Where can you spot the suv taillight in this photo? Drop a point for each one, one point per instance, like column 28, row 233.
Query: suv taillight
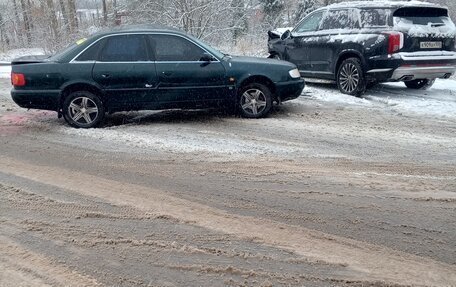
column 395, row 41
column 17, row 80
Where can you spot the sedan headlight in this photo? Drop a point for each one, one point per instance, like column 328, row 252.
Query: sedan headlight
column 295, row 73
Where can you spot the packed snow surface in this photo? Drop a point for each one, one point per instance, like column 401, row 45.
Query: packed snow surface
column 202, row 137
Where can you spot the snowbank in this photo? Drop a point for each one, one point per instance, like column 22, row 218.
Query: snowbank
column 16, row 53
column 437, row 102
column 7, row 57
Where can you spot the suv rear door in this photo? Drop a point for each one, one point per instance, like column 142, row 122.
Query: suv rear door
column 425, row 29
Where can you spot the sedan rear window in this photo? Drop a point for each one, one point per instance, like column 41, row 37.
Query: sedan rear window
column 125, row 48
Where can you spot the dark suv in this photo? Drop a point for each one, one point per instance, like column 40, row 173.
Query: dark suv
column 359, row 44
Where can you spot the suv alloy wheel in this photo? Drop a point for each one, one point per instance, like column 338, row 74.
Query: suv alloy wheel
column 350, row 77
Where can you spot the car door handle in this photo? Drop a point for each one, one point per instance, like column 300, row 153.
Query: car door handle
column 106, row 76
column 149, row 86
column 167, row 74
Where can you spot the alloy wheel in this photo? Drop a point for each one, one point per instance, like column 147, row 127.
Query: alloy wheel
column 83, row 110
column 253, row 102
column 349, row 78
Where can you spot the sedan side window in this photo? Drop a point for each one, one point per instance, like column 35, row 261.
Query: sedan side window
column 124, row 48
column 91, row 54
column 169, row 48
column 310, row 23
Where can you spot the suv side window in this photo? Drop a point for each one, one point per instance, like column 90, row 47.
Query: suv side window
column 169, row 48
column 310, row 23
column 124, row 48
column 375, row 17
column 340, row 19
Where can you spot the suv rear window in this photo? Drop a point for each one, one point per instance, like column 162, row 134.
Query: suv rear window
column 424, row 21
column 422, row 16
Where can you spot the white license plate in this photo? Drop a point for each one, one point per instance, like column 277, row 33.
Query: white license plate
column 431, row 45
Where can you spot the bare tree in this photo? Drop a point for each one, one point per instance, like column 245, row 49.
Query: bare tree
column 105, row 12
column 25, row 16
column 51, row 14
column 73, row 17
column 64, row 16
column 18, row 22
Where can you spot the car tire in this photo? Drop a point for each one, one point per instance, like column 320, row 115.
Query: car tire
column 421, row 84
column 350, row 77
column 83, row 109
column 254, row 101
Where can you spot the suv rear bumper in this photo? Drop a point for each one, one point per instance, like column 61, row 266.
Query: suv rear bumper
column 408, row 73
column 411, row 66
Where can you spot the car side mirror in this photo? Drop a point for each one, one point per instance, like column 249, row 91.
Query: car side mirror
column 206, row 57
column 286, row 35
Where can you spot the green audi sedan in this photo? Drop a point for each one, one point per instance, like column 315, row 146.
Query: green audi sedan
column 148, row 68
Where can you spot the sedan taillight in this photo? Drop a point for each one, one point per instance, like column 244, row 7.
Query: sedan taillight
column 395, row 41
column 17, row 79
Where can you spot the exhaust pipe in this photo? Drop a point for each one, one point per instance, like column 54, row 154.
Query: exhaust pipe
column 406, row 78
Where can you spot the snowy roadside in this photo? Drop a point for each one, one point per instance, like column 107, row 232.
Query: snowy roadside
column 7, row 57
column 437, row 102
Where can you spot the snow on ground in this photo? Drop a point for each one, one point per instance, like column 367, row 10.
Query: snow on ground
column 5, row 71
column 437, row 102
column 207, row 135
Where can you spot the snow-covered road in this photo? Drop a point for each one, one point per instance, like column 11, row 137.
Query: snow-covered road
column 368, row 182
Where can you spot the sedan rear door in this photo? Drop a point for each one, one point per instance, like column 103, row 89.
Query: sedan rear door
column 126, row 73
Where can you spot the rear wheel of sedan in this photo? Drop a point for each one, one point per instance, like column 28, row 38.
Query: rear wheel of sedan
column 350, row 77
column 255, row 101
column 422, row 84
column 82, row 109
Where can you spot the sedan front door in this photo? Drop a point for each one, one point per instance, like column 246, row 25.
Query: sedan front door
column 188, row 74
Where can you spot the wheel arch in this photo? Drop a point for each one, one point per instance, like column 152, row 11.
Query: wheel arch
column 80, row 86
column 260, row 79
column 344, row 55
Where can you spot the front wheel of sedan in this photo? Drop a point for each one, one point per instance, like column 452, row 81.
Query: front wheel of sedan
column 83, row 109
column 255, row 101
column 422, row 84
column 350, row 77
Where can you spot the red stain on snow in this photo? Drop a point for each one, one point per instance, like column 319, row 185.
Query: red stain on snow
column 17, row 122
